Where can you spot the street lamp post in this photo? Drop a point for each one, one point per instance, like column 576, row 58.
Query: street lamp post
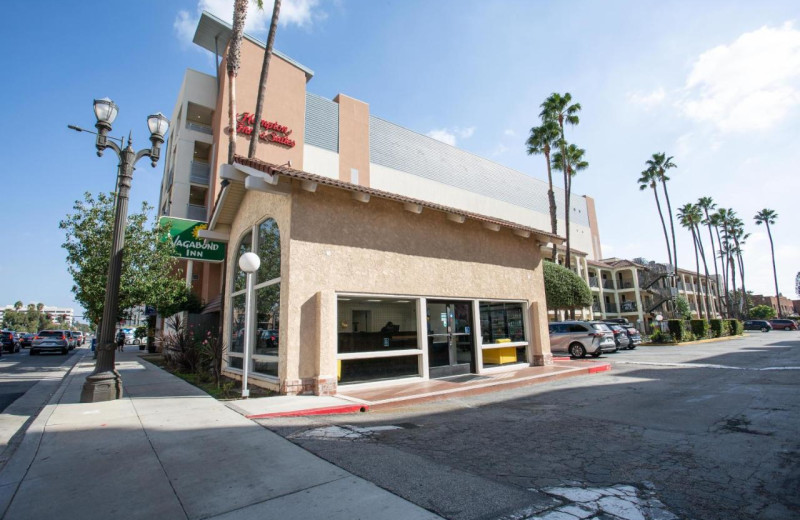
column 249, row 263
column 104, row 383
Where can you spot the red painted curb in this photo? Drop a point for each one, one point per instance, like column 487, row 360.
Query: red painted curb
column 601, row 368
column 331, row 410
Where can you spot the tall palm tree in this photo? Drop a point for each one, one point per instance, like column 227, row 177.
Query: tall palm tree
column 40, row 306
column 768, row 217
column 689, row 216
column 661, row 164
column 560, row 109
column 715, row 220
column 707, row 205
column 17, row 305
column 234, row 62
column 262, row 82
column 649, row 180
column 540, row 141
column 739, row 238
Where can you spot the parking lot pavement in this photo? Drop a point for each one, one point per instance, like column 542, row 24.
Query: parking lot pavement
column 703, row 431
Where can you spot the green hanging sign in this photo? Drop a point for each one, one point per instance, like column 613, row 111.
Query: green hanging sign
column 183, row 234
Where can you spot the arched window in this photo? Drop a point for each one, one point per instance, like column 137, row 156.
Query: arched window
column 265, row 240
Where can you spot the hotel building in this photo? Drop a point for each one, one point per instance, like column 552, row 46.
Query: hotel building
column 385, row 254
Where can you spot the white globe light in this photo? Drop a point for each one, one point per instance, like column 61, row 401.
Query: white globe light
column 249, row 262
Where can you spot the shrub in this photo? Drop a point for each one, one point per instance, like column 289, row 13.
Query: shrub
column 676, row 328
column 699, row 328
column 564, row 289
column 736, row 327
column 719, row 328
column 762, row 312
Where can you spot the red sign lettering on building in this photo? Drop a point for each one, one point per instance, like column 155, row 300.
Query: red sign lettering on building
column 272, row 130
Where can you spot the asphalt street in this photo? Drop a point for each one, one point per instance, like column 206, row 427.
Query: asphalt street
column 702, row 431
column 20, row 371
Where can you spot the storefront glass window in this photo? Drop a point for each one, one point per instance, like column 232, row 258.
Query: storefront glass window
column 269, row 250
column 374, row 328
column 265, row 353
column 237, row 324
column 239, row 277
column 501, row 322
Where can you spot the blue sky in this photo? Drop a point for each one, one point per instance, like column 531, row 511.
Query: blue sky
column 716, row 84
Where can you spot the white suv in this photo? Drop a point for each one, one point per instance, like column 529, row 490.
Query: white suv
column 579, row 338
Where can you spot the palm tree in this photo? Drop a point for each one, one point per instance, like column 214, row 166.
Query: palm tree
column 767, row 217
column 262, row 82
column 688, row 216
column 17, row 305
column 739, row 238
column 234, row 61
column 707, row 204
column 661, row 163
column 540, row 141
column 39, row 306
column 558, row 108
column 649, row 180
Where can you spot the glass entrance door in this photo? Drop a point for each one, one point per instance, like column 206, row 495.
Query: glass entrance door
column 450, row 346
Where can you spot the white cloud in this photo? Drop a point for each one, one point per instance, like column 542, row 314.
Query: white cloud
column 451, row 135
column 499, row 150
column 509, row 132
column 648, row 100
column 301, row 13
column 441, row 134
column 751, row 84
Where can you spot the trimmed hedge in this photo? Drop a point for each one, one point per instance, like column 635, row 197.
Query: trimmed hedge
column 677, row 330
column 699, row 328
column 736, row 327
column 719, row 328
column 564, row 289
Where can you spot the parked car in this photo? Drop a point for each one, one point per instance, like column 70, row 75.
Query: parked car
column 579, row 338
column 635, row 337
column 621, row 337
column 268, row 339
column 605, row 329
column 783, row 324
column 762, row 325
column 72, row 339
column 9, row 341
column 26, row 339
column 79, row 337
column 50, row 340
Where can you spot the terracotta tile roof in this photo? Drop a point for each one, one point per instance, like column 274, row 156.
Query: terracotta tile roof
column 286, row 171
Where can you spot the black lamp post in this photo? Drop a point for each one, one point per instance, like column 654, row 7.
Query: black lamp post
column 104, row 383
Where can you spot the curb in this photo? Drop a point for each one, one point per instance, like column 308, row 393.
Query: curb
column 696, row 342
column 331, row 410
column 16, row 468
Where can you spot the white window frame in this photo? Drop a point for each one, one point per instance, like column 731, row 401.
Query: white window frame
column 480, row 368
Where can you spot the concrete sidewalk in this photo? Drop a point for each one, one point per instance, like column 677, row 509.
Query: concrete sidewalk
column 168, row 450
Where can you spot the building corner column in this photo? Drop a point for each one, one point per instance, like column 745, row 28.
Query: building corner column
column 540, row 336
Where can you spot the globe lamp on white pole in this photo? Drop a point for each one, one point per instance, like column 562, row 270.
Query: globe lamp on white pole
column 249, row 263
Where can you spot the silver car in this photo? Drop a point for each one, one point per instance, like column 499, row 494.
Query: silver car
column 50, row 340
column 579, row 338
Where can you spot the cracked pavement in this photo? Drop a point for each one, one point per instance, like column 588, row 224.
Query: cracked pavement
column 704, row 431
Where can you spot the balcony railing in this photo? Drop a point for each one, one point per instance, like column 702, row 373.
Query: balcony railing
column 626, row 285
column 593, row 282
column 194, row 212
column 596, row 307
column 611, row 307
column 629, row 307
column 608, row 284
column 197, row 127
column 199, row 173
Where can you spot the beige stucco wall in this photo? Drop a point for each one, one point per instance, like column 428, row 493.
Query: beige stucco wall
column 353, row 139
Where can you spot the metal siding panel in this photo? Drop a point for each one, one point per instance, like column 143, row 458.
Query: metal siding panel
column 401, row 149
column 322, row 122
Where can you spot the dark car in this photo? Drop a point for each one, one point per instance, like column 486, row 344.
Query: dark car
column 634, row 337
column 26, row 340
column 621, row 337
column 762, row 325
column 783, row 324
column 79, row 339
column 9, row 340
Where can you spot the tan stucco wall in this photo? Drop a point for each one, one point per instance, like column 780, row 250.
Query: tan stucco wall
column 353, row 139
column 285, row 102
column 597, row 251
column 341, row 245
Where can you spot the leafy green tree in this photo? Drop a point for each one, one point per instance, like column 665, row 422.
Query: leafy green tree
column 560, row 109
column 564, row 289
column 541, row 141
column 17, row 305
column 148, row 267
column 682, row 307
column 762, row 312
column 767, row 217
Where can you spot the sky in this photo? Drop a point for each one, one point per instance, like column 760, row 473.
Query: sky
column 715, row 84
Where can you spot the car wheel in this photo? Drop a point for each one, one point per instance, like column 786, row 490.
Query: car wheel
column 787, row 328
column 34, row 352
column 597, row 354
column 764, row 329
column 577, row 350
column 64, row 351
column 631, row 347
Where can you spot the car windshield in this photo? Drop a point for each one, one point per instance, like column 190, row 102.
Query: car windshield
column 600, row 326
column 50, row 333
